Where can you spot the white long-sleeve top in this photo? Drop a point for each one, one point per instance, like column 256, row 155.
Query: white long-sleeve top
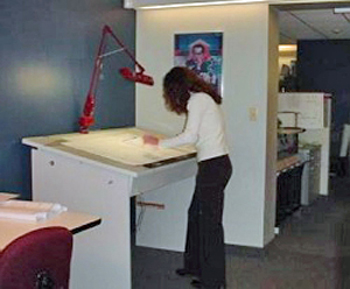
column 204, row 127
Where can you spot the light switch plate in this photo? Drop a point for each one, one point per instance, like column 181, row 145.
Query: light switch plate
column 253, row 113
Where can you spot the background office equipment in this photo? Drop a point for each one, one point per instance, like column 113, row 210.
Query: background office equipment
column 343, row 165
column 303, row 154
column 289, row 170
column 288, row 195
column 314, row 115
column 310, row 187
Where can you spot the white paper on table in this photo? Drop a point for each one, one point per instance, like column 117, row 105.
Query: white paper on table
column 7, row 196
column 127, row 148
column 30, row 211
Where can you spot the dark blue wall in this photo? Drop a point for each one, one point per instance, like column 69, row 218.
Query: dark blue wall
column 325, row 66
column 46, row 58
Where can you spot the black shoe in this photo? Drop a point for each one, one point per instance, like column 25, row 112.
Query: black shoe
column 183, row 272
column 196, row 283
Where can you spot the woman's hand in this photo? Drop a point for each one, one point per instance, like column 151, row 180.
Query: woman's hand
column 150, row 139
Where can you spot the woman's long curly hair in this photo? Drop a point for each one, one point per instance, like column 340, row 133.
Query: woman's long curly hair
column 178, row 84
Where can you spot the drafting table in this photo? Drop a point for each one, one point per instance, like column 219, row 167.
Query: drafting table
column 97, row 173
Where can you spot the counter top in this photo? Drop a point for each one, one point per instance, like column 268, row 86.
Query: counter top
column 288, row 163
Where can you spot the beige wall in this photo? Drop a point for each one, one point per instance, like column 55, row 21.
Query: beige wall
column 272, row 107
column 246, row 81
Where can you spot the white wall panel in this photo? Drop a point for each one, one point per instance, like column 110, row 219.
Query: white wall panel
column 245, row 78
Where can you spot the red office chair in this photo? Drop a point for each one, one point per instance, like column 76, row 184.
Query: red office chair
column 37, row 260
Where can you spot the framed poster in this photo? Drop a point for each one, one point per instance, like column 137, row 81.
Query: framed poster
column 202, row 53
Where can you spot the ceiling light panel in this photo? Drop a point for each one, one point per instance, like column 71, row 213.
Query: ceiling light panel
column 158, row 4
column 148, row 4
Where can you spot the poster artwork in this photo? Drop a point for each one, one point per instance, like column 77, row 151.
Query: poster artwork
column 202, row 53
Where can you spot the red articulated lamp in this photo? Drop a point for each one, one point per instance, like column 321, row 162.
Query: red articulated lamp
column 87, row 118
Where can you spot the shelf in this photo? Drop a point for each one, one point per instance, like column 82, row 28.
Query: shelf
column 290, row 130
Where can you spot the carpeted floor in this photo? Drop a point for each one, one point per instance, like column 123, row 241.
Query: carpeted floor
column 312, row 251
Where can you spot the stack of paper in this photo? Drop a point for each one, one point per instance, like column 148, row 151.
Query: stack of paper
column 7, row 196
column 29, row 211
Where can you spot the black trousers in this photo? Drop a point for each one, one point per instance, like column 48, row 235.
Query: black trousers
column 205, row 251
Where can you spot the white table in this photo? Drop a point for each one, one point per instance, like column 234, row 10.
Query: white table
column 97, row 184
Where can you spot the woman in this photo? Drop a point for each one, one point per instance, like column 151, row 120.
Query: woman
column 186, row 93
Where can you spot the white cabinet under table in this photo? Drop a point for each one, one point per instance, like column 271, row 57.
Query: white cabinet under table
column 94, row 183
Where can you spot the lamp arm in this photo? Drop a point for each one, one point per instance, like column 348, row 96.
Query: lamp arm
column 109, row 30
column 97, row 64
column 87, row 118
